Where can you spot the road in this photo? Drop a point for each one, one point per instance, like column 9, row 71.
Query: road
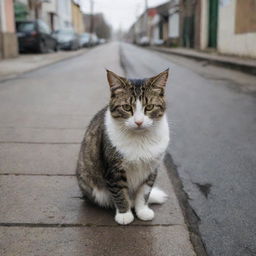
column 212, row 115
column 43, row 118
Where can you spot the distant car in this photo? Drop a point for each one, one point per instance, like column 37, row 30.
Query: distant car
column 158, row 42
column 102, row 41
column 35, row 36
column 67, row 39
column 144, row 41
column 85, row 40
column 94, row 39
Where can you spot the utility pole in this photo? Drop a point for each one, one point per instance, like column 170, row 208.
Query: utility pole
column 1, row 30
column 91, row 18
column 146, row 17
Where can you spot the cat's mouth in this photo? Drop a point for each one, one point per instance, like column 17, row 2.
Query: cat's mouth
column 139, row 129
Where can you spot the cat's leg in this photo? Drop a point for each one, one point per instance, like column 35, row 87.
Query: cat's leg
column 142, row 209
column 118, row 187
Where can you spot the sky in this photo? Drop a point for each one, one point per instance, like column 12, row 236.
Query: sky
column 119, row 13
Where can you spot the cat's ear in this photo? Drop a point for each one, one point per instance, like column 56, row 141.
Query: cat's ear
column 159, row 81
column 115, row 80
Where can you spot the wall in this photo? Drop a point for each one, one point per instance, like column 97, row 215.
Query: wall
column 64, row 14
column 49, row 9
column 204, row 25
column 10, row 17
column 77, row 19
column 174, row 24
column 228, row 41
column 8, row 39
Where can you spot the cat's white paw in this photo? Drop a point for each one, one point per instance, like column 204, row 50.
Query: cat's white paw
column 124, row 218
column 157, row 196
column 145, row 213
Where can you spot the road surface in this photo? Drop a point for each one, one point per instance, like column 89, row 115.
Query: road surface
column 212, row 115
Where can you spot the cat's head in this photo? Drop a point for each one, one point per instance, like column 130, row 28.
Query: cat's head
column 137, row 103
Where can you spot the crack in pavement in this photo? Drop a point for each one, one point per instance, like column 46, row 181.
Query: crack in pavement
column 36, row 174
column 74, row 225
column 40, row 142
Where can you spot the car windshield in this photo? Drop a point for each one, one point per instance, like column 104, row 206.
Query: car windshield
column 85, row 36
column 25, row 27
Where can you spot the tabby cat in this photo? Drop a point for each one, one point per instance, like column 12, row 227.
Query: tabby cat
column 124, row 146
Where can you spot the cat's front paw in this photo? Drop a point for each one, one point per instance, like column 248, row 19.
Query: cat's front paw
column 145, row 213
column 124, row 218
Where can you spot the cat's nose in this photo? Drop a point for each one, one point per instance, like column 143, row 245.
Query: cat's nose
column 139, row 123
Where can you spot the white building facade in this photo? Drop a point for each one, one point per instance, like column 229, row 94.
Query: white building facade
column 237, row 28
column 64, row 14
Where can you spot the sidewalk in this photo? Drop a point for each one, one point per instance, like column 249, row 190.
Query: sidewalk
column 10, row 68
column 243, row 64
column 44, row 116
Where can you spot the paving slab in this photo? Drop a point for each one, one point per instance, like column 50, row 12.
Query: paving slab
column 100, row 241
column 57, row 200
column 38, row 135
column 46, row 159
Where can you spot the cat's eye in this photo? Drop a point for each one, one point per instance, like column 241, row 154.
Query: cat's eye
column 149, row 107
column 127, row 107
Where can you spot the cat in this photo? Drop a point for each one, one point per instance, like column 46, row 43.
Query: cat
column 123, row 147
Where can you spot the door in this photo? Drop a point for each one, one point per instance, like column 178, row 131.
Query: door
column 188, row 31
column 213, row 23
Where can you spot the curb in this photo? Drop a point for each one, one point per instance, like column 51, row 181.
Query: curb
column 190, row 216
column 248, row 68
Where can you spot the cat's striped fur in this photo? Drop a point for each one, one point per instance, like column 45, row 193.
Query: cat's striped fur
column 123, row 147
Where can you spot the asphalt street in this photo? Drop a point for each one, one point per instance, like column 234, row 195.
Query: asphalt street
column 212, row 116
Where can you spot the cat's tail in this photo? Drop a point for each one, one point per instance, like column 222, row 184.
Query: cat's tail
column 157, row 196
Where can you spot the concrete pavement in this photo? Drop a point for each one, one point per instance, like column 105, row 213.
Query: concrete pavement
column 10, row 68
column 43, row 118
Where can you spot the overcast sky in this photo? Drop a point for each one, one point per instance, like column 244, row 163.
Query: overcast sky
column 120, row 13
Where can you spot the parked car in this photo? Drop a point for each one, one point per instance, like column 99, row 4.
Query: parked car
column 67, row 39
column 85, row 40
column 94, row 39
column 102, row 41
column 144, row 41
column 35, row 36
column 158, row 42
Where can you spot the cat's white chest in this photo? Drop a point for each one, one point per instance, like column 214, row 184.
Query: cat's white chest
column 137, row 172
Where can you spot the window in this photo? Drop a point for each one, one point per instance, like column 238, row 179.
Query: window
column 43, row 27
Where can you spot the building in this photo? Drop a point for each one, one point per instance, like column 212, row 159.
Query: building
column 49, row 14
column 147, row 27
column 64, row 14
column 174, row 23
column 165, row 24
column 226, row 26
column 161, row 25
column 56, row 13
column 77, row 18
column 97, row 24
column 8, row 39
column 237, row 33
